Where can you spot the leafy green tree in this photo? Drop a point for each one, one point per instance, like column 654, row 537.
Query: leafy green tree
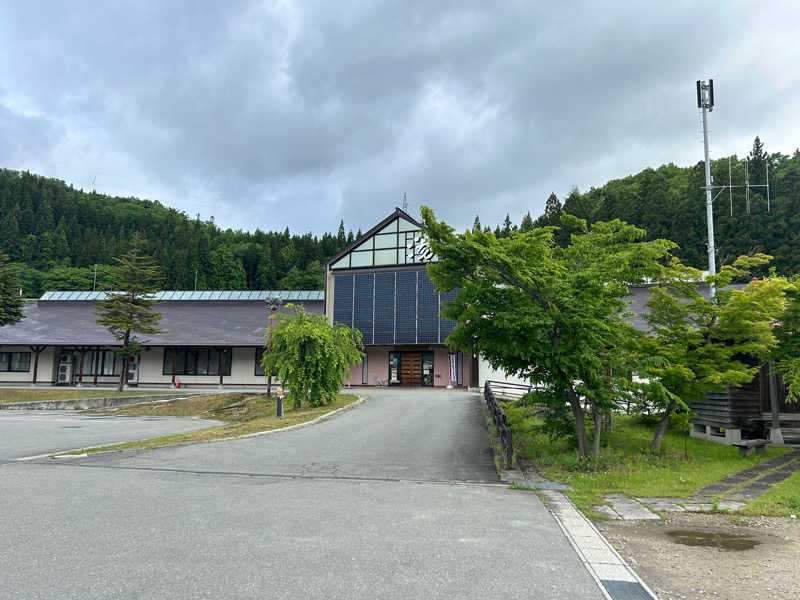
column 11, row 302
column 700, row 344
column 227, row 273
column 311, row 357
column 130, row 310
column 551, row 315
column 786, row 354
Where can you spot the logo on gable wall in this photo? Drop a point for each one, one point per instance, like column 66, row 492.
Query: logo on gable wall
column 420, row 250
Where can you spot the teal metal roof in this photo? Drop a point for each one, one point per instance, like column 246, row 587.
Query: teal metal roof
column 216, row 296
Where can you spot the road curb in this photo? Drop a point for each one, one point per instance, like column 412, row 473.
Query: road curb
column 323, row 417
column 616, row 580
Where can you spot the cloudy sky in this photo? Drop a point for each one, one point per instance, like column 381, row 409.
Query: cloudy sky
column 268, row 114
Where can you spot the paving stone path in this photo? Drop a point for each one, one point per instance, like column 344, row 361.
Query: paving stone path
column 730, row 493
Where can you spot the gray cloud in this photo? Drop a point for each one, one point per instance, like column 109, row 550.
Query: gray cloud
column 274, row 114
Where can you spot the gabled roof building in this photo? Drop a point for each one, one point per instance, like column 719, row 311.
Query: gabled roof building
column 380, row 286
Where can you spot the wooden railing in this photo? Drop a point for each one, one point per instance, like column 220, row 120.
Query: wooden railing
column 500, row 422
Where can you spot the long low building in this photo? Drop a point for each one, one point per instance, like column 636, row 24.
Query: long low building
column 207, row 338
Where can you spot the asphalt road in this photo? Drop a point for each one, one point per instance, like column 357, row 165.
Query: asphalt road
column 31, row 433
column 396, row 498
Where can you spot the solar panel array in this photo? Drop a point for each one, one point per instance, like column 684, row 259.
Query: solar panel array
column 262, row 295
column 400, row 307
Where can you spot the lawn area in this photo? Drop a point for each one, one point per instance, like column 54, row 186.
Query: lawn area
column 243, row 413
column 34, row 395
column 626, row 464
column 781, row 501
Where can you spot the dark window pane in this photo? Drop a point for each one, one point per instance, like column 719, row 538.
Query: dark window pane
column 259, row 369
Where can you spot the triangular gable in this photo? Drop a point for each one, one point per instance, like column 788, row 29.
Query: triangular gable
column 397, row 240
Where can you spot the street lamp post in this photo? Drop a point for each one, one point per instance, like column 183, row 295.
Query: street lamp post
column 273, row 303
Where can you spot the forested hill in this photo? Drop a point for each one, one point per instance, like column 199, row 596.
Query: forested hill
column 669, row 202
column 59, row 233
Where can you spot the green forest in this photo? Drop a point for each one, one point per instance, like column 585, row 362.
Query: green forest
column 57, row 234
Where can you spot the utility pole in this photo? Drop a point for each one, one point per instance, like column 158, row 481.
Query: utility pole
column 705, row 102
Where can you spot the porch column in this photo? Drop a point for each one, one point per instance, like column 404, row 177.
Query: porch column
column 82, row 350
column 96, row 364
column 775, row 433
column 174, row 360
column 36, row 351
column 221, row 356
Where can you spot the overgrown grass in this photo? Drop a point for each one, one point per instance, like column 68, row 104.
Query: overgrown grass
column 780, row 501
column 625, row 464
column 36, row 395
column 244, row 414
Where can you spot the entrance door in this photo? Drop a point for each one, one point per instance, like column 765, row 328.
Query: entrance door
column 411, row 368
column 427, row 369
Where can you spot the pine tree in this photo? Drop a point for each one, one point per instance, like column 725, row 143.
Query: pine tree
column 11, row 302
column 506, row 231
column 130, row 310
column 552, row 210
column 527, row 223
column 341, row 236
column 476, row 226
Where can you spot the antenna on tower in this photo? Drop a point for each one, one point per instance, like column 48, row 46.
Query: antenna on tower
column 405, row 203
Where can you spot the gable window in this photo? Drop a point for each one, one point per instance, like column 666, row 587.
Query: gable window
column 396, row 244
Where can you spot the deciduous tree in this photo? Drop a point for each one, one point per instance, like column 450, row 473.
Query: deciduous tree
column 310, row 356
column 700, row 344
column 549, row 314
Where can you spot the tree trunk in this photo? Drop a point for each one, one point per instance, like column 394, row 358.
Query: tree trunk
column 655, row 445
column 123, row 374
column 123, row 377
column 598, row 426
column 580, row 423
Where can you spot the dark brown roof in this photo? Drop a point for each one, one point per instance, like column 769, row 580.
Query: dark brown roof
column 185, row 323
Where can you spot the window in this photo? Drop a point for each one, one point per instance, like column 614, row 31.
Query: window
column 387, row 247
column 107, row 362
column 197, row 361
column 15, row 362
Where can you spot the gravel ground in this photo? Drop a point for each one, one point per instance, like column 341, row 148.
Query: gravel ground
column 724, row 566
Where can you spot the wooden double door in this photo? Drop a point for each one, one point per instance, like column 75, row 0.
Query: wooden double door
column 411, row 368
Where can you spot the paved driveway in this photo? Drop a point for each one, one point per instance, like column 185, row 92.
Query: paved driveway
column 395, row 499
column 31, row 433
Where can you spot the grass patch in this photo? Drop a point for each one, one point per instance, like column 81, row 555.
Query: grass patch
column 39, row 395
column 244, row 414
column 625, row 464
column 780, row 501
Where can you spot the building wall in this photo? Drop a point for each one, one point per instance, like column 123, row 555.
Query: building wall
column 45, row 370
column 487, row 373
column 378, row 366
column 242, row 370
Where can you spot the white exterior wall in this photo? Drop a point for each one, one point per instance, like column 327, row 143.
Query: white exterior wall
column 45, row 372
column 242, row 370
column 487, row 373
